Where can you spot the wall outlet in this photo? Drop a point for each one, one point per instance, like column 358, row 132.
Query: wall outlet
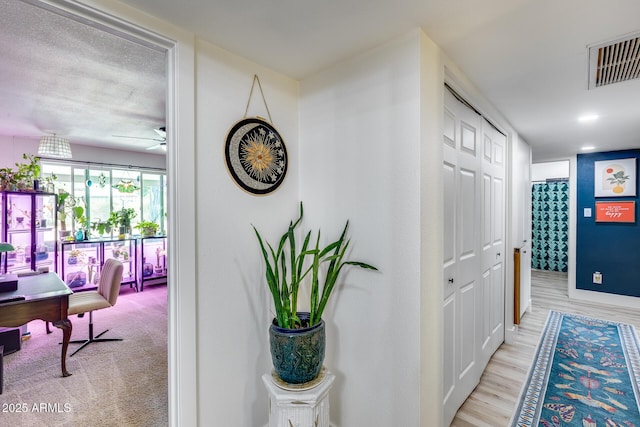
column 597, row 278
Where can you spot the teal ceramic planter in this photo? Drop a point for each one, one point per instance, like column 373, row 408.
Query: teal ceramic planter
column 297, row 354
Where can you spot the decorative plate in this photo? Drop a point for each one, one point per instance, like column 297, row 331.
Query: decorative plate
column 256, row 155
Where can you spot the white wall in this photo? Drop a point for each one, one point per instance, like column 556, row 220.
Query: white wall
column 549, row 170
column 432, row 71
column 233, row 305
column 521, row 182
column 359, row 160
column 12, row 149
column 521, row 218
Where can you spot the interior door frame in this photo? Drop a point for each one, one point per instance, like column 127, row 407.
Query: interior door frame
column 140, row 28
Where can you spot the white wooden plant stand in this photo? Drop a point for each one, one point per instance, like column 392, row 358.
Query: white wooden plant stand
column 305, row 407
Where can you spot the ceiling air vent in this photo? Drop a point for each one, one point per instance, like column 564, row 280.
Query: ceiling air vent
column 614, row 61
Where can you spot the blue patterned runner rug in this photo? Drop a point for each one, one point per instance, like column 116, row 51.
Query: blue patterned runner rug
column 585, row 373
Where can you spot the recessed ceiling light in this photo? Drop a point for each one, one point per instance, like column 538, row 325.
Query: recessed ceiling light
column 588, row 118
column 588, row 148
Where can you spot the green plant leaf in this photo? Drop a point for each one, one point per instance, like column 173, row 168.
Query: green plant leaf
column 287, row 268
column 271, row 279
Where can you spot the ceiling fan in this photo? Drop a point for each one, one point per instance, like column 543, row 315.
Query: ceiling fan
column 161, row 141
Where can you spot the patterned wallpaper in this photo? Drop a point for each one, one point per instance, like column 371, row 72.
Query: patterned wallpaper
column 550, row 225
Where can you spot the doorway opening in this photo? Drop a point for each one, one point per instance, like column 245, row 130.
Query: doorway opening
column 550, row 216
column 111, row 25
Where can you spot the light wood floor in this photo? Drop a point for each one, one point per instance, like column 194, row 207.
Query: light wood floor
column 494, row 399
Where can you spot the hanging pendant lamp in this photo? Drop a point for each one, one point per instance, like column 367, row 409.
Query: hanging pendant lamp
column 54, row 147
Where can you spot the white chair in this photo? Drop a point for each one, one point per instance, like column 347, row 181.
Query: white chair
column 104, row 297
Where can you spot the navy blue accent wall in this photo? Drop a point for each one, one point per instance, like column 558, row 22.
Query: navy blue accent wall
column 610, row 248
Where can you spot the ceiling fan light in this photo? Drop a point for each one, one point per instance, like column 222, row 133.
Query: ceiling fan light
column 54, row 147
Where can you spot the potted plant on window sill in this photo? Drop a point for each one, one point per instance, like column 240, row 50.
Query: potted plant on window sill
column 297, row 339
column 9, row 179
column 82, row 229
column 66, row 202
column 147, row 228
column 101, row 227
column 123, row 218
column 30, row 172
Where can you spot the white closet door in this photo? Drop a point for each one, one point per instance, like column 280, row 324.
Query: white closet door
column 462, row 170
column 474, row 190
column 493, row 241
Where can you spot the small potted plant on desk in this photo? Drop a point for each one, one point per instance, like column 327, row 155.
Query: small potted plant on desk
column 297, row 339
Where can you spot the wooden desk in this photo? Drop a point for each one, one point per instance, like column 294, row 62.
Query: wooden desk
column 46, row 297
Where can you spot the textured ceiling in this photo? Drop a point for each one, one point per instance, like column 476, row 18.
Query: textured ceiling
column 64, row 77
column 528, row 57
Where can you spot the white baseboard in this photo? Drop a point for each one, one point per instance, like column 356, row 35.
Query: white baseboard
column 605, row 298
column 330, row 425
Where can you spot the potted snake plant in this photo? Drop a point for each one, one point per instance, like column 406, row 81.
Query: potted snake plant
column 297, row 339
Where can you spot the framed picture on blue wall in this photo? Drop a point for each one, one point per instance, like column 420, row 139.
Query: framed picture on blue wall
column 615, row 178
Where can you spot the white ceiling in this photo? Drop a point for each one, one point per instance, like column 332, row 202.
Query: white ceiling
column 528, row 57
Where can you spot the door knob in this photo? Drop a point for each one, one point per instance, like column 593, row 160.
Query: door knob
column 451, row 280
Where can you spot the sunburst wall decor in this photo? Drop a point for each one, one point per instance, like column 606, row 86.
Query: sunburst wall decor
column 256, row 155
